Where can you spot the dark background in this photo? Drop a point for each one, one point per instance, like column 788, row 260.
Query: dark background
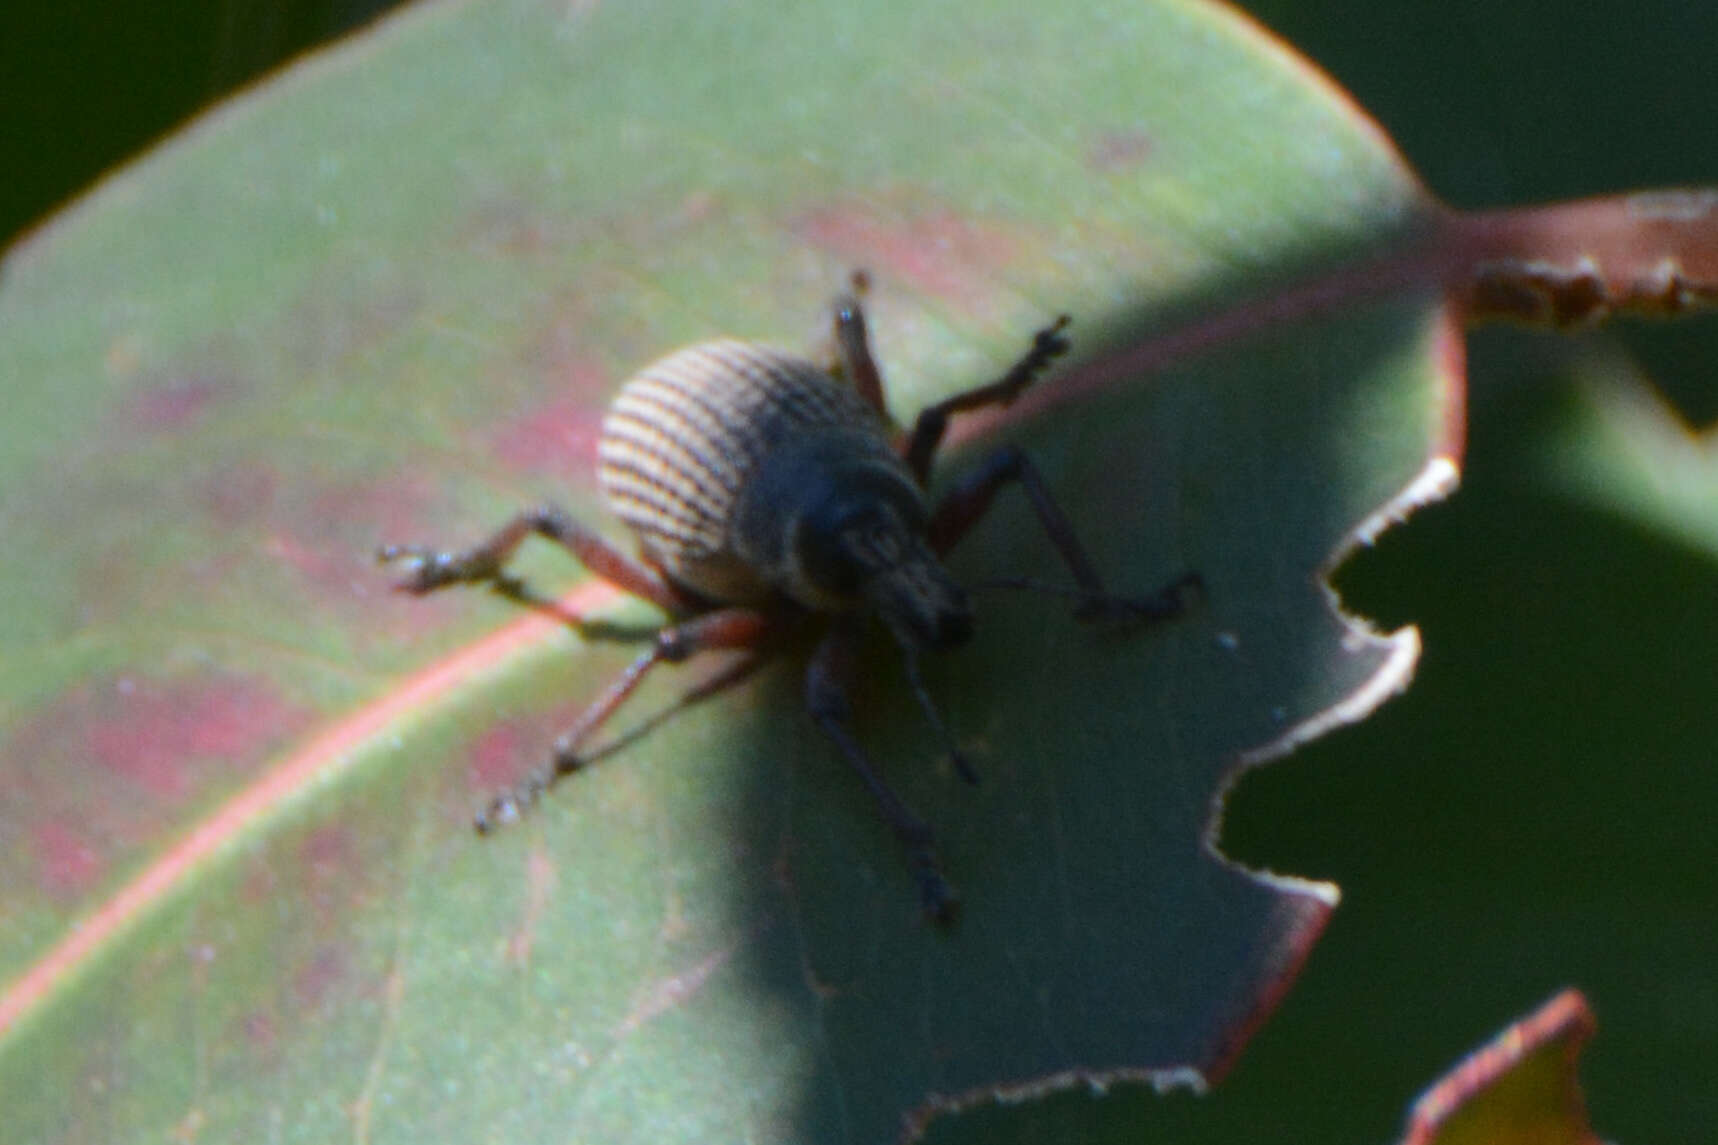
column 1537, row 811
column 88, row 84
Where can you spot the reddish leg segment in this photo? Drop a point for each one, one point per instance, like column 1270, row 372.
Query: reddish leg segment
column 430, row 569
column 723, row 628
column 853, row 346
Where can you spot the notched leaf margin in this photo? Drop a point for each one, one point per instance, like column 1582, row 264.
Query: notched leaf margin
column 1313, row 900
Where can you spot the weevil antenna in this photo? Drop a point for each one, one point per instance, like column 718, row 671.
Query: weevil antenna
column 916, row 682
column 1029, row 584
column 1167, row 603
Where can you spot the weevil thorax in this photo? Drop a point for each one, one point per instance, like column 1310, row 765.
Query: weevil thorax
column 747, row 471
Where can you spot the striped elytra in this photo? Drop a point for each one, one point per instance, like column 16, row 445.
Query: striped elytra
column 686, row 440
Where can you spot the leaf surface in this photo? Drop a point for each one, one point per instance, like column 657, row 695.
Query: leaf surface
column 385, row 298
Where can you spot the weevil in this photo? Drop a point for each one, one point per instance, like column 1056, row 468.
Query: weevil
column 765, row 491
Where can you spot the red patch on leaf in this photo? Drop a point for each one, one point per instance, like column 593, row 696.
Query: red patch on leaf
column 158, row 735
column 260, row 1035
column 1116, row 152
column 261, row 883
column 330, row 867
column 106, row 765
column 938, row 253
column 241, row 492
column 328, row 537
column 67, row 864
column 559, row 436
column 110, row 760
column 179, row 402
column 316, row 980
column 326, row 851
column 496, row 758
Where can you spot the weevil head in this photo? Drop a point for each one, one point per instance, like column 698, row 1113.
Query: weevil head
column 834, row 520
column 920, row 603
column 869, row 548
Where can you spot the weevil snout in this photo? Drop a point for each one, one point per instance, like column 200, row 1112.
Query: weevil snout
column 921, row 605
column 867, row 547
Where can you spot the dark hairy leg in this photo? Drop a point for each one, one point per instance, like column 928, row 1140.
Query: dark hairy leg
column 920, row 446
column 964, row 505
column 723, row 628
column 826, row 682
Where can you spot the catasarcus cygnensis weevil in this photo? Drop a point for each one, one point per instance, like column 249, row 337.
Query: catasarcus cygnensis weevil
column 766, row 491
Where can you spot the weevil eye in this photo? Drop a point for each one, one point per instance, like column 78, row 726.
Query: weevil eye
column 842, row 543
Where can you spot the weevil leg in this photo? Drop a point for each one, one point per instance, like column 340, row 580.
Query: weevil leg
column 826, row 683
column 429, row 569
column 724, row 628
column 1167, row 603
column 964, row 505
column 919, row 449
column 916, row 683
column 742, row 668
column 853, row 357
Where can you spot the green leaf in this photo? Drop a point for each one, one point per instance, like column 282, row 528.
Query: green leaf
column 385, row 297
column 1621, row 447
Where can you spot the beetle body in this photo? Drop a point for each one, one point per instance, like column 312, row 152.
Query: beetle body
column 762, row 487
